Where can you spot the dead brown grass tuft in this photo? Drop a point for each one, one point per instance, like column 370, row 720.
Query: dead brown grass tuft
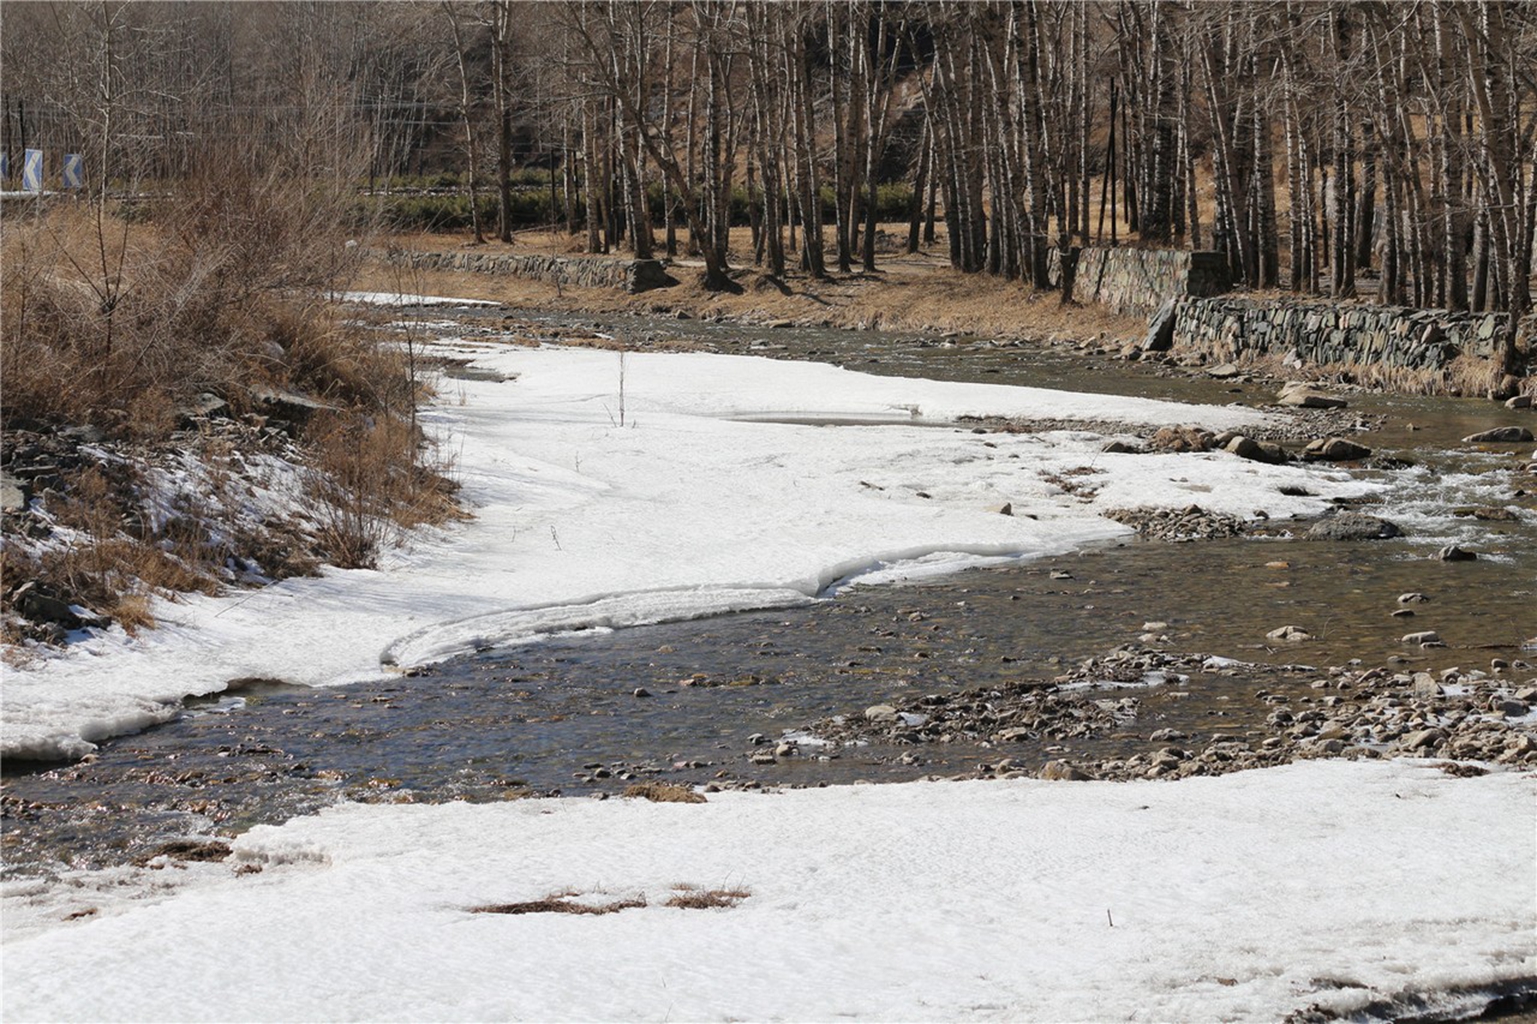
column 706, row 899
column 664, row 793
column 559, row 904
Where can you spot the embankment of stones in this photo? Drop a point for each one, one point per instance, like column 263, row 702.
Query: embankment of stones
column 1335, row 334
column 1137, row 281
column 631, row 275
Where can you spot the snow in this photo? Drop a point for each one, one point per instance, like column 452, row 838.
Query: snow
column 612, row 490
column 404, row 299
column 1245, row 897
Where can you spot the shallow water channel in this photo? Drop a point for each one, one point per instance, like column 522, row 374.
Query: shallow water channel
column 708, row 702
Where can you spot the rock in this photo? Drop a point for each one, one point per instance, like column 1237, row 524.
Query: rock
column 1006, row 509
column 1304, row 397
column 1512, row 708
column 1121, row 448
column 1258, row 451
column 1184, row 439
column 1160, row 329
column 1166, row 736
column 1452, row 553
column 1332, row 730
column 289, row 405
column 1500, row 435
column 1226, row 371
column 1412, row 598
column 33, row 602
column 1421, row 739
column 13, row 493
column 1289, row 633
column 1425, row 685
column 1061, row 771
column 1519, row 402
column 204, row 405
column 1403, row 613
column 881, row 713
column 1335, row 449
column 1424, row 636
column 641, row 691
column 1353, row 526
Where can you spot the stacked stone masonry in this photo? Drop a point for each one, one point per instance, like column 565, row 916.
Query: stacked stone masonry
column 1137, row 281
column 631, row 275
column 1323, row 333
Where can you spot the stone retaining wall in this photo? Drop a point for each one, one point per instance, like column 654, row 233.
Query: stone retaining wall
column 631, row 275
column 1325, row 333
column 1138, row 281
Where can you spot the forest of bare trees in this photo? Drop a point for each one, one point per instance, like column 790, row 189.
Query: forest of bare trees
column 1389, row 147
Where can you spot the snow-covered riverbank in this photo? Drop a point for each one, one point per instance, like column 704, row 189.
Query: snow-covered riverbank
column 611, row 490
column 1246, row 897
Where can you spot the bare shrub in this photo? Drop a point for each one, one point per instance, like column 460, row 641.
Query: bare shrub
column 120, row 316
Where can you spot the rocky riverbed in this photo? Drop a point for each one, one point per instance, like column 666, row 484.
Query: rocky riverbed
column 1474, row 716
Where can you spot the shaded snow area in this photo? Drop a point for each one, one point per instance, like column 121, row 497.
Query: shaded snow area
column 1341, row 885
column 408, row 300
column 611, row 490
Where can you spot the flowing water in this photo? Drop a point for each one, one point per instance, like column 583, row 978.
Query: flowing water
column 705, row 702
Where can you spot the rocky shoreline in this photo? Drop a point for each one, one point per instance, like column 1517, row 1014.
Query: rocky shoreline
column 1473, row 717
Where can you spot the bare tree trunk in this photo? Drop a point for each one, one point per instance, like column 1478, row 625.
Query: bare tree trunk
column 469, row 122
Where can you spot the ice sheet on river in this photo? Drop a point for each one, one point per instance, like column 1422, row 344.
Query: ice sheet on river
column 1243, row 897
column 688, row 506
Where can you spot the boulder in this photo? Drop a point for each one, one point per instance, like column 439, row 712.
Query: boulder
column 1519, row 402
column 1500, row 435
column 1421, row 739
column 1289, row 633
column 1258, row 451
column 289, row 405
column 1353, row 526
column 1184, row 439
column 1334, row 449
column 1302, row 396
column 204, row 405
column 13, row 493
column 1452, row 553
column 1063, row 772
column 1425, row 636
column 1224, row 371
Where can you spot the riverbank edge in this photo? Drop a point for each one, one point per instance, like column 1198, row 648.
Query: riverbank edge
column 985, row 307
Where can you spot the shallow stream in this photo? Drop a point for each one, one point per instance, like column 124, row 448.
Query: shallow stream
column 593, row 712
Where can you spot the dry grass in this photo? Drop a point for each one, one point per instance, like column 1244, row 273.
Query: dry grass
column 688, row 897
column 560, row 903
column 664, row 793
column 908, row 292
column 684, row 897
column 118, row 319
